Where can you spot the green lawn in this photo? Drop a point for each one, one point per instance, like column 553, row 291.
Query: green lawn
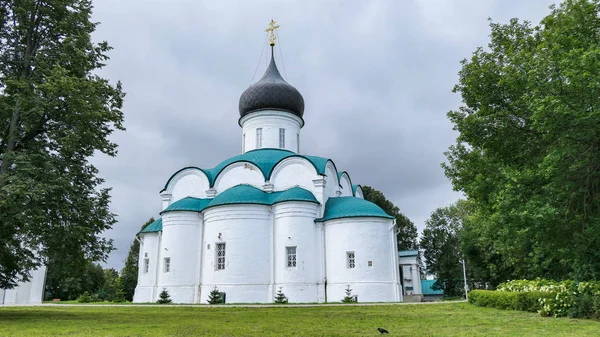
column 452, row 319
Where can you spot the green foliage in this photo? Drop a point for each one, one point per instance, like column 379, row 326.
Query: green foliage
column 441, row 244
column 85, row 298
column 527, row 156
column 407, row 235
column 55, row 113
column 216, row 297
column 69, row 283
column 164, row 297
column 280, row 297
column 549, row 298
column 129, row 273
column 349, row 298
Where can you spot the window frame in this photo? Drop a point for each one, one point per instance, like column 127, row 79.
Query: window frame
column 282, row 138
column 291, row 256
column 259, row 138
column 146, row 267
column 220, row 265
column 166, row 265
column 351, row 260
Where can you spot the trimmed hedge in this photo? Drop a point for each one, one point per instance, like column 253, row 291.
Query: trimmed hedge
column 523, row 301
column 549, row 298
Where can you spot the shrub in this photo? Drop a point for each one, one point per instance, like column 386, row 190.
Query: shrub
column 85, row 298
column 549, row 298
column 349, row 298
column 216, row 297
column 280, row 298
column 164, row 297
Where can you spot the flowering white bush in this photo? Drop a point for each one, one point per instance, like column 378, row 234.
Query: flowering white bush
column 565, row 294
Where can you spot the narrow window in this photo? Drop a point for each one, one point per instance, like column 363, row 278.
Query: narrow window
column 282, row 138
column 167, row 265
column 146, row 265
column 258, row 138
column 244, row 142
column 220, row 256
column 291, row 256
column 298, row 142
column 351, row 259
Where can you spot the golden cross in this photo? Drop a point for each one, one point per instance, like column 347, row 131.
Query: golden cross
column 271, row 29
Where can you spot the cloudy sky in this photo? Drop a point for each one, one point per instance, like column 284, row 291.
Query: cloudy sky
column 376, row 77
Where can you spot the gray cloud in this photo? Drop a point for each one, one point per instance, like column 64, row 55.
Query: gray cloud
column 376, row 77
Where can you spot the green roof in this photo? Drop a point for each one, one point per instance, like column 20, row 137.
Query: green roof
column 156, row 226
column 354, row 188
column 241, row 194
column 188, row 204
column 264, row 159
column 351, row 207
column 247, row 194
column 405, row 253
column 426, row 288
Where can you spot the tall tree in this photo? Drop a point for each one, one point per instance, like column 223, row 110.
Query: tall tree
column 407, row 235
column 129, row 273
column 441, row 244
column 55, row 113
column 528, row 151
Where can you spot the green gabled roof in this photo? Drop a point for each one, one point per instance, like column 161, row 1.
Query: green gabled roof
column 264, row 159
column 188, row 204
column 351, row 207
column 247, row 194
column 156, row 226
column 405, row 253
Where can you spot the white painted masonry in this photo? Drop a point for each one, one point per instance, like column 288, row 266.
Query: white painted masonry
column 31, row 292
column 255, row 239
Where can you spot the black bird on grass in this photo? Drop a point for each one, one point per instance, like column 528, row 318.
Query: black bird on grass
column 382, row 330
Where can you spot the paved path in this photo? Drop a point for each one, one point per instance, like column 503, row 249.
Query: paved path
column 229, row 305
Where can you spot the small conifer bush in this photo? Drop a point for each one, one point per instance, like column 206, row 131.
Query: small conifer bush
column 280, row 298
column 164, row 297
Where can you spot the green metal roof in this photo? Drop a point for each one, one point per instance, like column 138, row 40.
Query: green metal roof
column 354, row 188
column 188, row 204
column 351, row 207
column 156, row 226
column 240, row 194
column 426, row 288
column 247, row 194
column 405, row 253
column 264, row 159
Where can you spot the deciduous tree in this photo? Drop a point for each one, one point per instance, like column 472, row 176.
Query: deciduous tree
column 528, row 151
column 55, row 113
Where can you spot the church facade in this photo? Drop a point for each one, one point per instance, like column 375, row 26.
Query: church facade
column 270, row 219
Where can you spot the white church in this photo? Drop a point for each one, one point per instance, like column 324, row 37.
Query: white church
column 270, row 218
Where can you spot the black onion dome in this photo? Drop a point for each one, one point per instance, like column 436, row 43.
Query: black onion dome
column 271, row 92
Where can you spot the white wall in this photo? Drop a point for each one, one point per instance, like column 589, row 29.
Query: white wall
column 180, row 244
column 369, row 239
column 270, row 121
column 295, row 171
column 346, row 185
column 31, row 292
column 332, row 185
column 246, row 231
column 295, row 226
column 187, row 183
column 146, row 285
column 239, row 173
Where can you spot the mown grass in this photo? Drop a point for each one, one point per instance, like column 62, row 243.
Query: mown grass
column 452, row 319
